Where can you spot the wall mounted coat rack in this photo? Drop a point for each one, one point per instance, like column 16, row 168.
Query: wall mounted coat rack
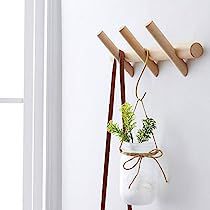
column 178, row 54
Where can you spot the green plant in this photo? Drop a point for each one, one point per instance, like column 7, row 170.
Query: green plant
column 129, row 123
column 145, row 133
column 115, row 130
column 128, row 118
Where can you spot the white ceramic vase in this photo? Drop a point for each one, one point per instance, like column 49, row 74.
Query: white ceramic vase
column 143, row 189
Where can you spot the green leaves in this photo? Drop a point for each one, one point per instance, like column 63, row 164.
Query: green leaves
column 114, row 129
column 145, row 133
column 128, row 117
column 129, row 123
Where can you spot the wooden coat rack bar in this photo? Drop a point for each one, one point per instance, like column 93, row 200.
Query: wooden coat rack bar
column 178, row 54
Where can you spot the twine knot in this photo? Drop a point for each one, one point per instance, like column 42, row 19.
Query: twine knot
column 153, row 154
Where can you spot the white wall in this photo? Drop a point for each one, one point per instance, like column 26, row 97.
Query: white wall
column 180, row 105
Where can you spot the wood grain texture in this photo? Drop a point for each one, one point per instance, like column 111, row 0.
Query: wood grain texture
column 167, row 47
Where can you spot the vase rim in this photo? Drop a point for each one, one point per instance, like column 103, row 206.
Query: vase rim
column 136, row 143
column 141, row 147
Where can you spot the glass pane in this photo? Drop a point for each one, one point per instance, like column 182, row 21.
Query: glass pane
column 11, row 48
column 11, row 156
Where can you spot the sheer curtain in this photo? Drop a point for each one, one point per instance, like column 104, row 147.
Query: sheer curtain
column 42, row 106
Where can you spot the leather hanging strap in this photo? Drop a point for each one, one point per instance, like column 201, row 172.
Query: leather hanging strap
column 110, row 114
column 122, row 86
column 108, row 138
column 122, row 76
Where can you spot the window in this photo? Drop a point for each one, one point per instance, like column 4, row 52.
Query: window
column 12, row 48
column 30, row 105
column 11, row 103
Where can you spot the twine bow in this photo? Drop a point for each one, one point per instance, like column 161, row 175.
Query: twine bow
column 154, row 154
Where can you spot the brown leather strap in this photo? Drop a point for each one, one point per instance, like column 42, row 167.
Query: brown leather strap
column 129, row 207
column 110, row 114
column 122, row 76
column 122, row 87
column 108, row 138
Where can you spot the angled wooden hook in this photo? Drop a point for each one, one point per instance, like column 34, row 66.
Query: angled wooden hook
column 115, row 51
column 167, row 47
column 141, row 52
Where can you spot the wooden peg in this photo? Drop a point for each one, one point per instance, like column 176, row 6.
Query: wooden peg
column 115, row 51
column 167, row 47
column 141, row 52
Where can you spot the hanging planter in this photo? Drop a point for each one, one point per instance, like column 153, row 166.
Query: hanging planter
column 139, row 154
column 139, row 150
column 142, row 190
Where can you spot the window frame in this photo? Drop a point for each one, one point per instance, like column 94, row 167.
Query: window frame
column 35, row 75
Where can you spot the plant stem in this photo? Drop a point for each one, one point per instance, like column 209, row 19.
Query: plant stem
column 131, row 137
